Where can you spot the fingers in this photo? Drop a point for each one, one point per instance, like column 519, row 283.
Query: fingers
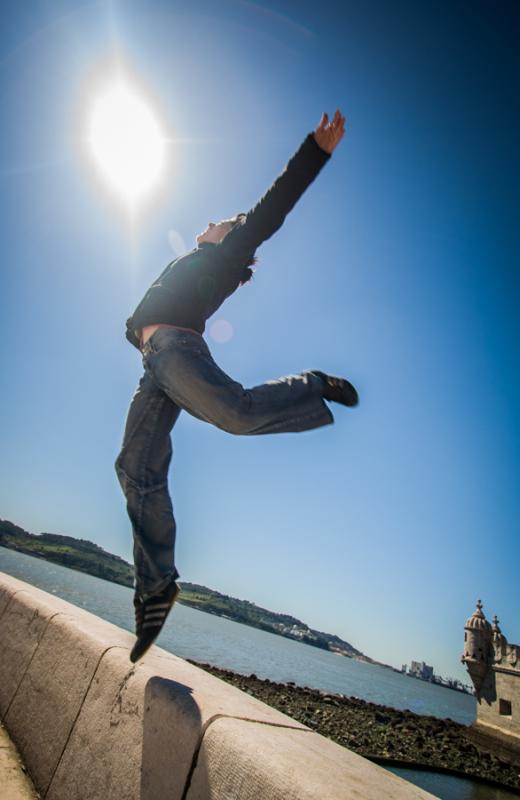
column 339, row 125
column 328, row 134
column 338, row 121
column 323, row 121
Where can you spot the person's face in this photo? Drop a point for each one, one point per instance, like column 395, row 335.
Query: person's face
column 215, row 232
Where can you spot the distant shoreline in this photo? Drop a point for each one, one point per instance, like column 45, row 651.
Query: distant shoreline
column 86, row 556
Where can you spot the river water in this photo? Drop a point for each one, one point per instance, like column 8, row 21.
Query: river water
column 224, row 643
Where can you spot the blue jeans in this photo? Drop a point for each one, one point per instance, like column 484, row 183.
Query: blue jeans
column 180, row 373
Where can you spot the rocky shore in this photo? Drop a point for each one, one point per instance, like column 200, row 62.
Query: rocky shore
column 378, row 732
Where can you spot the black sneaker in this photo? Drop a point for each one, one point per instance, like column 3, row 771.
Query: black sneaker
column 337, row 389
column 150, row 616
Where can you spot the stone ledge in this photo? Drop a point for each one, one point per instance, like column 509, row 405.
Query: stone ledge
column 89, row 724
column 245, row 760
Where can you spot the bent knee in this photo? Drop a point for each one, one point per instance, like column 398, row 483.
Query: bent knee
column 119, row 464
column 239, row 424
column 126, row 472
column 236, row 417
column 121, row 472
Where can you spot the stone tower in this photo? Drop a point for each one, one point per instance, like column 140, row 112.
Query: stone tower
column 494, row 667
column 478, row 647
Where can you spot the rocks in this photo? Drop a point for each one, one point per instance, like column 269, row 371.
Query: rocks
column 377, row 731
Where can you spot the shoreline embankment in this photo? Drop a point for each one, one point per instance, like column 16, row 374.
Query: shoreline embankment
column 381, row 733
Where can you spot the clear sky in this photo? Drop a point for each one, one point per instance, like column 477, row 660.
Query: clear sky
column 397, row 269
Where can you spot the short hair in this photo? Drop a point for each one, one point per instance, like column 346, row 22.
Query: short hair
column 247, row 272
column 237, row 219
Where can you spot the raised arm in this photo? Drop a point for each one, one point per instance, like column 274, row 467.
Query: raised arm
column 267, row 216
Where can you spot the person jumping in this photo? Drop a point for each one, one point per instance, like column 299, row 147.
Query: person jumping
column 180, row 373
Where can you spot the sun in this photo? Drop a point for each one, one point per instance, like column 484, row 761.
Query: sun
column 126, row 142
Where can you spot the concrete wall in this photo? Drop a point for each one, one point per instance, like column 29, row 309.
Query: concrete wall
column 90, row 725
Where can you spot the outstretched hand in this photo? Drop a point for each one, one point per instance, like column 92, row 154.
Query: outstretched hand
column 329, row 134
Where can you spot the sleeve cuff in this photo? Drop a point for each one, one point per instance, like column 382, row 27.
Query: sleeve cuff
column 316, row 145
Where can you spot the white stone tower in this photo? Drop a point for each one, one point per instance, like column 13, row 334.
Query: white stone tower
column 478, row 647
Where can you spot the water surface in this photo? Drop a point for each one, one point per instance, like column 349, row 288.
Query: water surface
column 451, row 787
column 224, row 643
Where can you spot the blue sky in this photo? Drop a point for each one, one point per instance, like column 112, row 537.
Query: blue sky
column 397, row 269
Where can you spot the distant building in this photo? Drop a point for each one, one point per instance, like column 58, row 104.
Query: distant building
column 421, row 670
column 494, row 667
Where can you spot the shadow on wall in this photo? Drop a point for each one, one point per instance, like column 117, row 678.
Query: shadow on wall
column 168, row 763
column 488, row 691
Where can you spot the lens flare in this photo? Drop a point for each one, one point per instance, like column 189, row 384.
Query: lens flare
column 221, row 331
column 177, row 243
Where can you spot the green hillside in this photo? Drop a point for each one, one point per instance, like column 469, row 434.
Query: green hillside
column 86, row 556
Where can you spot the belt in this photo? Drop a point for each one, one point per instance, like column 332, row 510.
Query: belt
column 146, row 348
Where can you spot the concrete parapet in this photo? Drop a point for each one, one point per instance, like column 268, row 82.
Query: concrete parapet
column 91, row 725
column 243, row 759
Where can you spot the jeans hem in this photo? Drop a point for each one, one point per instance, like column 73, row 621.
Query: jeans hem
column 158, row 587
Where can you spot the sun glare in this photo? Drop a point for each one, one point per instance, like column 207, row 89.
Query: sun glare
column 126, row 142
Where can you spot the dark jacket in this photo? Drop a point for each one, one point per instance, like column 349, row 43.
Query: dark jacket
column 192, row 287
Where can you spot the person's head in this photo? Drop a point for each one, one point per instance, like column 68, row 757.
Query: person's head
column 216, row 231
